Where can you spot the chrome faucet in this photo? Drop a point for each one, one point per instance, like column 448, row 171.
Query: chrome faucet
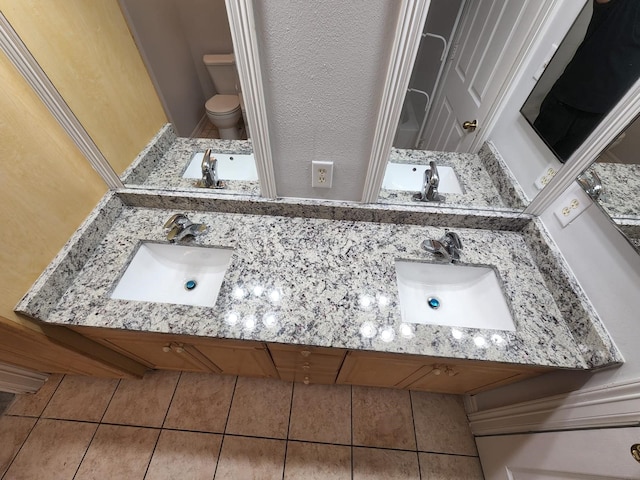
column 592, row 185
column 181, row 227
column 448, row 247
column 209, row 167
column 430, row 183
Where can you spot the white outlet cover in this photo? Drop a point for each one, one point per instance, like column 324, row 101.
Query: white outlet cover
column 316, row 178
column 571, row 205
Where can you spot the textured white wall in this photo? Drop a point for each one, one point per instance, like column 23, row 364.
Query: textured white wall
column 324, row 65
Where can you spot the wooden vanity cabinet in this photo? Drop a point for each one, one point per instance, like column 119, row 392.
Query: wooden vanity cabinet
column 187, row 353
column 300, row 363
column 414, row 372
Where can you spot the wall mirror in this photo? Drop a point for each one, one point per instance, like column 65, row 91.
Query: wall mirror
column 466, row 57
column 577, row 77
column 184, row 43
column 613, row 182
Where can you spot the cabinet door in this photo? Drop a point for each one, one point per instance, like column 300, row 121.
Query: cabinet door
column 377, row 369
column 462, row 378
column 238, row 357
column 158, row 353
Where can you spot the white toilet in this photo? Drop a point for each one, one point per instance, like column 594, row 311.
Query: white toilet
column 223, row 109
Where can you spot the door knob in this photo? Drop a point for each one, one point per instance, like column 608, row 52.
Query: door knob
column 635, row 451
column 470, row 125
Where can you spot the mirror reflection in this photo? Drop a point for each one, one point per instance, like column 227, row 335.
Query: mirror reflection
column 187, row 48
column 597, row 62
column 451, row 92
column 613, row 181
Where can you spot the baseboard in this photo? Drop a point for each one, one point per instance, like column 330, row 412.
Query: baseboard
column 612, row 405
column 19, row 380
column 200, row 126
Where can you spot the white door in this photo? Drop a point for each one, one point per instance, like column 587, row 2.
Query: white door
column 580, row 454
column 490, row 38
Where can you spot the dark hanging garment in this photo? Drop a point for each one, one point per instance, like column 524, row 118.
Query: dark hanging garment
column 607, row 62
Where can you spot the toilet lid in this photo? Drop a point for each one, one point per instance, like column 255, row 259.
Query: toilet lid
column 221, row 104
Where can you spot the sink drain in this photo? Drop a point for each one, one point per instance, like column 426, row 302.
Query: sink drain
column 433, row 302
column 190, row 284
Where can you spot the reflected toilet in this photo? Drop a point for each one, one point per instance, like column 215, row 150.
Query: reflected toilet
column 224, row 109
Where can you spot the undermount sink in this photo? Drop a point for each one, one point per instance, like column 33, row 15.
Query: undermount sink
column 409, row 177
column 452, row 295
column 231, row 166
column 165, row 273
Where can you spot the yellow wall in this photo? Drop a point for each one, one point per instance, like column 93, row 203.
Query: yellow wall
column 47, row 187
column 88, row 53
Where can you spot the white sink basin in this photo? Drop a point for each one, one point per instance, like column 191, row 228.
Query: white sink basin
column 160, row 273
column 230, row 166
column 409, row 177
column 468, row 296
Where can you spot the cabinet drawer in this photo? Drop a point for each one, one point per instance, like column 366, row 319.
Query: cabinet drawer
column 312, row 377
column 294, row 357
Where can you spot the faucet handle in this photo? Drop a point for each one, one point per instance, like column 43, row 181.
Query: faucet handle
column 454, row 239
column 179, row 219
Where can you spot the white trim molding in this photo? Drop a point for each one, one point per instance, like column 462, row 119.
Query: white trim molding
column 20, row 380
column 413, row 14
column 245, row 46
column 606, row 132
column 20, row 56
column 612, row 405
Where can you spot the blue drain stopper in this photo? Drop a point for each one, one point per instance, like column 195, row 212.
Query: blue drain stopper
column 190, row 285
column 433, row 302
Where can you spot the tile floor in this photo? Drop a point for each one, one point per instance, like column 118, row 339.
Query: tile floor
column 205, row 426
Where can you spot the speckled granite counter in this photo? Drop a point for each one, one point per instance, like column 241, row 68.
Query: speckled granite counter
column 620, row 199
column 164, row 160
column 322, row 269
column 484, row 179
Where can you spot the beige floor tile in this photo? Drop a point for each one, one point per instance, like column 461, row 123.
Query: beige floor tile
column 321, row 413
column 118, row 452
column 13, row 432
column 441, row 424
column 316, row 461
column 449, row 467
column 81, row 398
column 142, row 402
column 251, row 458
column 260, row 408
column 32, row 404
column 377, row 463
column 53, row 450
column 188, row 455
column 201, row 402
column 382, row 418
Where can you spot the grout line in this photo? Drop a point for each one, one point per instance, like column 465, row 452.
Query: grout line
column 286, row 444
column 38, row 417
column 155, row 445
column 224, row 429
column 97, row 427
column 351, row 419
column 415, row 433
column 21, row 445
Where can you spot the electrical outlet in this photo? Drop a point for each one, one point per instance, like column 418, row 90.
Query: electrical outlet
column 545, row 177
column 321, row 174
column 572, row 205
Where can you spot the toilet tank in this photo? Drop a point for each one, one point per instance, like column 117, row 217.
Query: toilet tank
column 222, row 70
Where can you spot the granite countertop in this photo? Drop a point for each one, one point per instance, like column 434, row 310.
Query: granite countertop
column 317, row 281
column 484, row 177
column 164, row 160
column 477, row 188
